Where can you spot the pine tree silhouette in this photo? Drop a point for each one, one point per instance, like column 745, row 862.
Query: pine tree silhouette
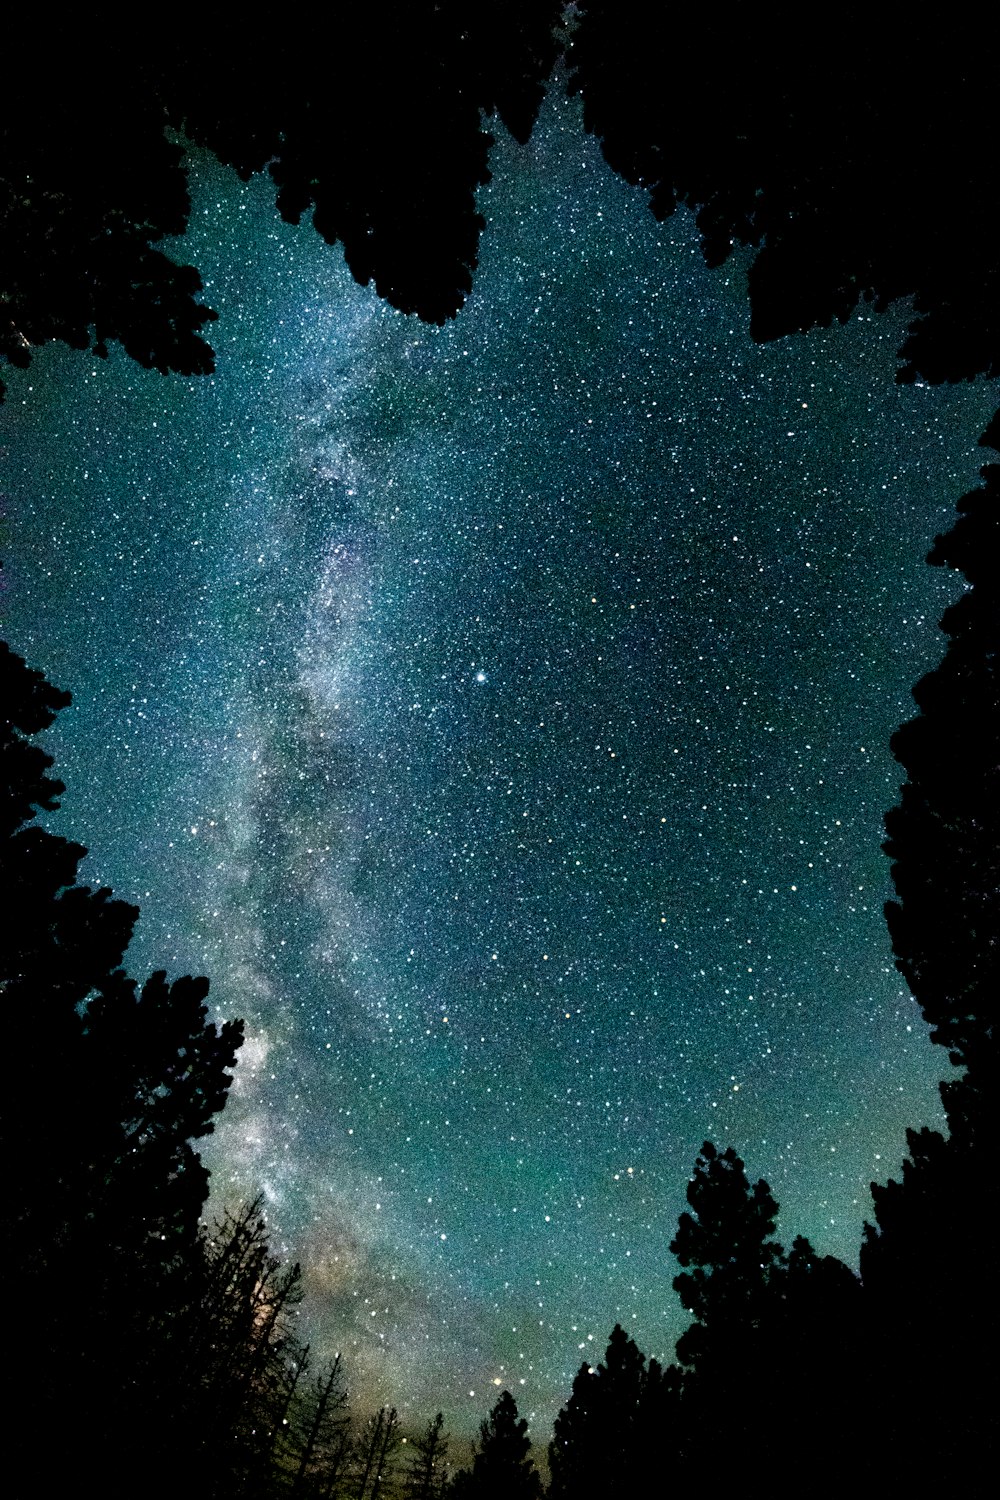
column 427, row 1476
column 503, row 1468
column 944, row 840
column 112, row 1083
column 613, row 1431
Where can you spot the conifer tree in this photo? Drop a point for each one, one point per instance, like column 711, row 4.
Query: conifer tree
column 503, row 1468
column 110, row 1086
column 117, row 1081
column 614, row 1427
column 244, row 1362
column 727, row 1240
column 944, row 841
column 386, row 161
column 944, row 835
column 772, row 1331
column 374, row 1452
column 428, row 1472
column 319, row 1438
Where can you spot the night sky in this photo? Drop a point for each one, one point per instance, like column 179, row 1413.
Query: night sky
column 499, row 715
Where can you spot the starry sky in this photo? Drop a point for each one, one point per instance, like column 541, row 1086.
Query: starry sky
column 499, row 715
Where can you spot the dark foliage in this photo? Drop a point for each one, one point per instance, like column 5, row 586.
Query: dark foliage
column 89, row 187
column 502, row 1468
column 168, row 1349
column 726, row 1238
column 855, row 155
column 614, row 1429
column 117, row 1081
column 319, row 1434
column 370, row 120
column 239, row 1361
column 944, row 840
column 427, row 1476
column 773, row 1332
column 944, row 836
column 159, row 1346
column 110, row 1085
column 378, row 133
column 857, row 172
column 374, row 1456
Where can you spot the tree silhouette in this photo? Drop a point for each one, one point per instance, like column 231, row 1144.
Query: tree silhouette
column 772, row 1332
column 117, row 1081
column 112, row 1084
column 846, row 188
column 613, row 1431
column 727, row 1240
column 428, row 1472
column 944, row 840
column 177, row 1341
column 374, row 1450
column 386, row 156
column 239, row 1361
column 502, row 1468
column 83, row 212
column 944, row 836
column 318, row 1446
column 371, row 122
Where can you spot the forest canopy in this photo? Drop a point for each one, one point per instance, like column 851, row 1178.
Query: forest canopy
column 856, row 170
column 166, row 1348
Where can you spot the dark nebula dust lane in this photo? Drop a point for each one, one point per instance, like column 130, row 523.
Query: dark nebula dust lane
column 499, row 715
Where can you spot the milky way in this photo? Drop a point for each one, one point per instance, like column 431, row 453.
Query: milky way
column 499, row 715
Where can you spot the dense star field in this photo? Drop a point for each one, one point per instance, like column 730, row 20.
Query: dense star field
column 499, row 715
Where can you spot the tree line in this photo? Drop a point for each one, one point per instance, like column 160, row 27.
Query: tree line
column 151, row 1348
column 855, row 161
